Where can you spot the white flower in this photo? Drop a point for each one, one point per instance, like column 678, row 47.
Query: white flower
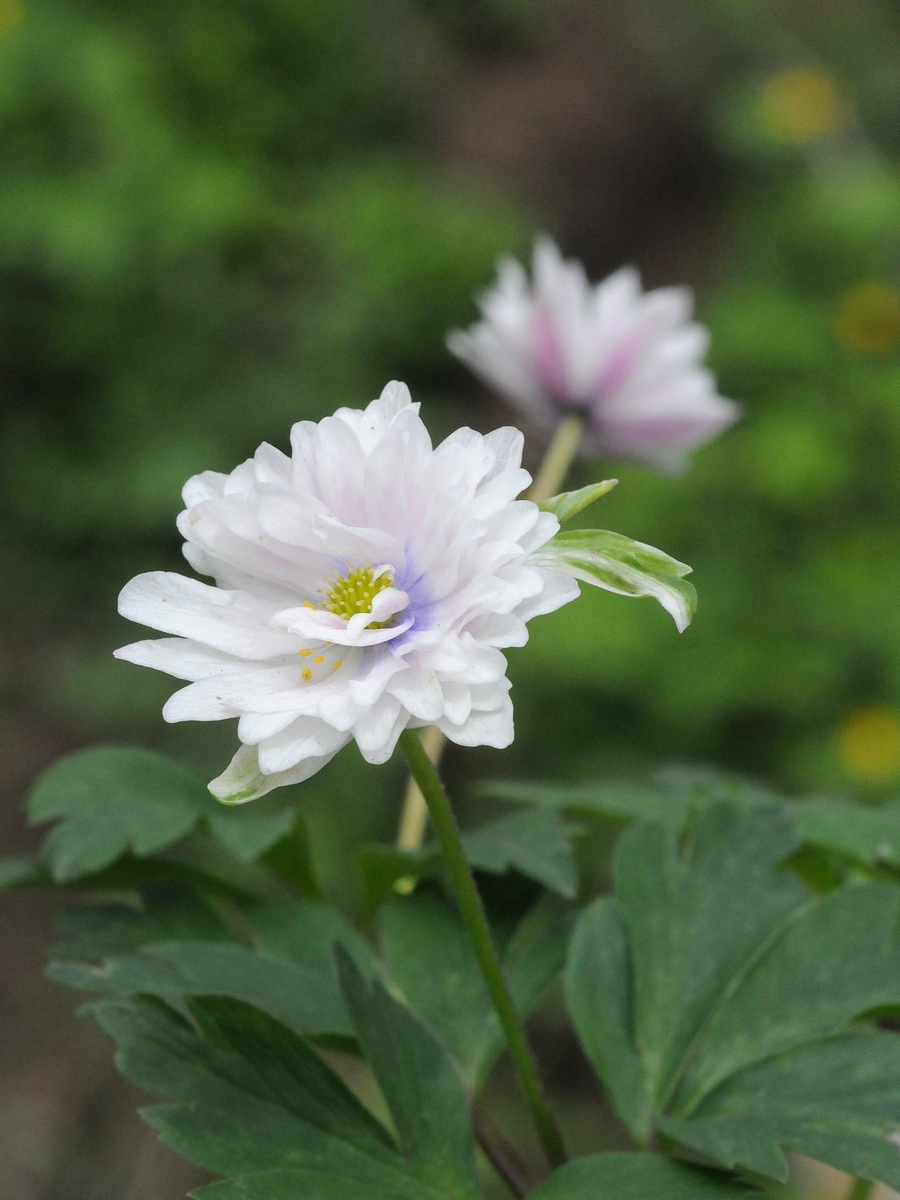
column 630, row 361
column 366, row 584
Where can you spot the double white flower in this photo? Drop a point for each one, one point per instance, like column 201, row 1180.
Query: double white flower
column 368, row 583
column 629, row 361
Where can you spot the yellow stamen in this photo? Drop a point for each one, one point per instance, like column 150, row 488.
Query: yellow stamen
column 319, row 658
column 307, row 674
column 352, row 594
column 337, row 664
column 306, row 653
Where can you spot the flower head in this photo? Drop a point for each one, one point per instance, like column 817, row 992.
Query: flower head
column 365, row 584
column 629, row 360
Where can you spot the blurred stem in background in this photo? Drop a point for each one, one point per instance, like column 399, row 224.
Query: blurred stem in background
column 472, row 912
column 550, row 478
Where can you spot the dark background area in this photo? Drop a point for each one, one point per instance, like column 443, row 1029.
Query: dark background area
column 217, row 218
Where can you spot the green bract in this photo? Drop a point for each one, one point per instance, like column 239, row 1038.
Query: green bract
column 619, row 564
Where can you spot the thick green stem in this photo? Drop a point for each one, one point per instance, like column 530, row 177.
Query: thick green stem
column 473, row 915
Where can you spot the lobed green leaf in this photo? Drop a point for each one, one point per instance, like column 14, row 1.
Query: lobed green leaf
column 721, row 1005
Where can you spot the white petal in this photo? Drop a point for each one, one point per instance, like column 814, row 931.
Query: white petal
column 179, row 657
column 229, row 621
column 242, row 779
column 307, row 737
column 483, row 728
column 374, row 732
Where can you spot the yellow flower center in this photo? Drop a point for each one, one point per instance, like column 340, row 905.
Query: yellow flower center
column 347, row 595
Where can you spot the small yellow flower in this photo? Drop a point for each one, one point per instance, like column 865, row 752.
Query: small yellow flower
column 868, row 744
column 801, row 105
column 869, row 318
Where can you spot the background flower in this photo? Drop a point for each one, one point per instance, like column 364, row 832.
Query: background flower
column 366, row 584
column 630, row 361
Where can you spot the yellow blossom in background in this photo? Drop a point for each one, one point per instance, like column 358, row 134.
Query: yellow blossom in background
column 801, row 105
column 868, row 744
column 869, row 318
column 11, row 13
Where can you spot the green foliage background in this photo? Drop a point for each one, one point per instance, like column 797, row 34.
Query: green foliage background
column 216, row 219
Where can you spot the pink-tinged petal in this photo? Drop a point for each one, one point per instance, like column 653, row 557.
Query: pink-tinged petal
column 608, row 350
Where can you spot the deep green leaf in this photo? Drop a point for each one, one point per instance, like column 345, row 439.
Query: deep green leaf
column 112, row 799
column 421, row 1085
column 836, row 1100
column 253, row 1098
column 536, row 842
column 618, row 564
column 838, row 960
column 249, row 830
column 309, row 1001
column 291, row 860
column 163, row 913
column 568, row 504
column 870, row 835
column 625, row 801
column 380, row 868
column 696, row 922
column 598, row 993
column 305, row 934
column 636, row 1177
column 720, row 1004
column 430, row 957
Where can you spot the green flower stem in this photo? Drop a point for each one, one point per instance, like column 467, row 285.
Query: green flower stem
column 559, row 457
column 550, row 478
column 475, row 920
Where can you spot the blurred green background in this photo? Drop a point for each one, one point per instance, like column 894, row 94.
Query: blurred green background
column 217, row 218
column 220, row 216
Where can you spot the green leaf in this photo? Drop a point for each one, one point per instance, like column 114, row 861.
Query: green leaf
column 637, row 1177
column 162, row 913
column 869, row 835
column 429, row 955
column 292, row 861
column 305, row 934
column 538, row 844
column 291, row 974
column 833, row 1100
column 256, row 1103
column 568, row 504
column 307, row 1001
column 624, row 801
column 380, row 867
column 113, row 799
column 535, row 842
column 618, row 564
column 422, row 1087
column 721, row 1005
column 250, row 830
